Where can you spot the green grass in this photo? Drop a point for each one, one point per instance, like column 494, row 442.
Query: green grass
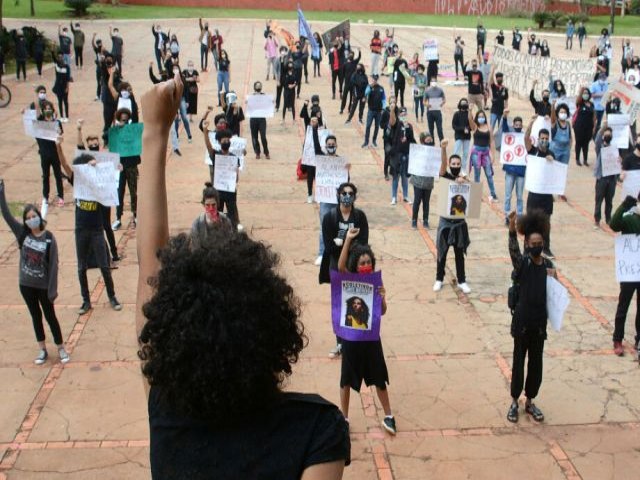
column 54, row 9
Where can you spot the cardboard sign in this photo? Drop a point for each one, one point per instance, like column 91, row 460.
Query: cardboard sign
column 356, row 305
column 619, row 123
column 126, row 140
column 28, row 117
column 628, row 258
column 424, row 160
column 45, row 130
column 96, row 183
column 459, row 200
column 330, row 173
column 631, row 183
column 629, row 97
column 513, row 150
column 557, row 302
column 260, row 106
column 225, row 173
column 610, row 158
column 544, row 176
column 430, row 49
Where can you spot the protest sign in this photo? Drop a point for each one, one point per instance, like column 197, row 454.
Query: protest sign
column 628, row 258
column 330, row 173
column 521, row 69
column 260, row 106
column 28, row 117
column 610, row 158
column 430, row 49
column 309, row 151
column 96, row 183
column 539, row 124
column 459, row 200
column 424, row 160
column 356, row 305
column 126, row 140
column 619, row 123
column 631, row 183
column 557, row 302
column 101, row 156
column 513, row 150
column 225, row 173
column 545, row 176
column 341, row 30
column 238, row 147
column 629, row 97
column 45, row 130
column 434, row 103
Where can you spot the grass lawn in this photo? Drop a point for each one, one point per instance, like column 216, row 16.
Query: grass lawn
column 54, row 9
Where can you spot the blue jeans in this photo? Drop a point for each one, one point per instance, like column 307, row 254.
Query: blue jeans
column 324, row 209
column 488, row 172
column 562, row 155
column 67, row 60
column 183, row 115
column 372, row 116
column 223, row 79
column 509, row 181
column 401, row 174
column 461, row 148
column 495, row 118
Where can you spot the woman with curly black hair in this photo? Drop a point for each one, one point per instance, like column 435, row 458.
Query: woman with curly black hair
column 219, row 330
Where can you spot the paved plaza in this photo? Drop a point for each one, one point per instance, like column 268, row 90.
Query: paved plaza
column 448, row 354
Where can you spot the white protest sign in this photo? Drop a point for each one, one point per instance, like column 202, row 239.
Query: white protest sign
column 103, row 157
column 96, row 183
column 430, row 49
column 459, row 200
column 619, row 123
column 45, row 130
column 260, row 106
column 238, row 147
column 28, row 117
column 539, row 124
column 330, row 173
column 628, row 258
column 557, row 302
column 424, row 160
column 544, row 176
column 513, row 150
column 629, row 97
column 434, row 103
column 309, row 151
column 631, row 184
column 610, row 159
column 225, row 173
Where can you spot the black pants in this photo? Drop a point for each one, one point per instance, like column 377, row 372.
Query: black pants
column 204, row 56
column 627, row 289
column 306, row 72
column 37, row 300
column 63, row 104
column 316, row 67
column 289, row 101
column 97, row 83
column 259, row 126
column 158, row 54
column 531, row 343
column 421, row 195
column 398, row 87
column 229, row 199
column 435, row 117
column 359, row 104
column 108, row 112
column 459, row 59
column 582, row 143
column 387, row 159
column 311, row 175
column 117, row 59
column 79, row 57
column 278, row 96
column 298, row 73
column 91, row 242
column 460, row 273
column 47, row 163
column 347, row 92
column 21, row 65
column 480, row 47
column 106, row 225
column 128, row 177
column 605, row 190
column 336, row 75
column 39, row 59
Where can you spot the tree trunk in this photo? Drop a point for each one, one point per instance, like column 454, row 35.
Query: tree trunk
column 0, row 14
column 33, row 8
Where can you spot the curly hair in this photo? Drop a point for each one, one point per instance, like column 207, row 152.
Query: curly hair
column 358, row 250
column 361, row 316
column 222, row 327
column 535, row 221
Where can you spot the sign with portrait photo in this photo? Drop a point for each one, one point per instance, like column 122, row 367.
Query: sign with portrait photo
column 459, row 200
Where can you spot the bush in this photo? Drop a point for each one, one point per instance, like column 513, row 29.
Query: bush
column 541, row 18
column 79, row 7
column 577, row 17
column 555, row 17
column 635, row 7
column 8, row 44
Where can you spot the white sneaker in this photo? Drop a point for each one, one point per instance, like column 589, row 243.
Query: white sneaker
column 464, row 287
column 64, row 356
column 240, row 227
column 310, row 199
column 44, row 208
column 318, row 261
column 116, row 225
column 393, row 201
column 437, row 286
column 336, row 351
column 41, row 358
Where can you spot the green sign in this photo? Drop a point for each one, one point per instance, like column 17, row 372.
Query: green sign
column 126, row 140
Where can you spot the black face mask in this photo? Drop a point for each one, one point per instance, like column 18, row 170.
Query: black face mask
column 455, row 171
column 225, row 146
column 517, row 130
column 606, row 138
column 545, row 99
column 637, row 145
column 536, row 251
column 94, row 148
column 464, row 107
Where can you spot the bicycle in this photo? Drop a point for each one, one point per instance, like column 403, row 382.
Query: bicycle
column 5, row 95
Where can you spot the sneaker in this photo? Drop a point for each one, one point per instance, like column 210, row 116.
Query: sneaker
column 365, row 145
column 414, row 224
column 596, row 226
column 116, row 258
column 310, row 199
column 86, row 306
column 406, row 199
column 318, row 261
column 97, row 99
column 393, row 201
column 257, row 156
column 375, row 145
column 190, row 140
column 389, row 424
column 267, row 156
column 347, row 122
column 41, row 358
column 387, row 178
column 425, row 225
column 177, row 152
column 437, row 286
column 360, row 121
column 618, row 349
column 115, row 304
column 464, row 287
column 506, row 221
column 60, row 202
column 336, row 351
column 64, row 356
column 115, row 226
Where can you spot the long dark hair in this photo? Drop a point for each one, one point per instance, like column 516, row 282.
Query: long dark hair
column 25, row 228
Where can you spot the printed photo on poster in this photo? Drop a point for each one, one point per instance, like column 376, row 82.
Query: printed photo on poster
column 458, row 199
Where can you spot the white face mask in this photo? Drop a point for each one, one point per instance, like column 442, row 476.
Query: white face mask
column 125, row 94
column 42, row 96
column 562, row 116
column 33, row 222
column 434, row 84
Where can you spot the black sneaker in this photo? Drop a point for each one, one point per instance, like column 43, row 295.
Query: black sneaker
column 414, row 224
column 177, row 152
column 389, row 424
column 115, row 304
column 86, row 306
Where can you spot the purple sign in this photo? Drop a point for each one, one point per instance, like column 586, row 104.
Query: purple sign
column 356, row 305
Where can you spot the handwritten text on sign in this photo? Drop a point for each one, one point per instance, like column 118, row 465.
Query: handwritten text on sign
column 544, row 176
column 225, row 173
column 96, row 183
column 628, row 258
column 513, row 150
column 45, row 130
column 424, row 160
column 610, row 161
column 330, row 173
column 631, row 184
column 619, row 123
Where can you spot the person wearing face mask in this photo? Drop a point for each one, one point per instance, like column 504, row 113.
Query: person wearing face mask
column 61, row 85
column 38, row 273
column 191, row 80
column 529, row 314
column 598, row 90
column 259, row 126
column 561, row 138
column 475, row 86
column 359, row 84
column 290, row 82
column 499, row 98
column 376, row 50
column 160, row 41
column 109, row 73
column 569, row 33
column 117, row 47
column 602, row 66
column 435, row 97
column 78, row 44
column 451, row 232
column 20, row 49
column 376, row 101
column 399, row 82
column 534, row 45
column 513, row 174
column 540, row 201
column 605, row 185
column 123, row 95
column 204, row 39
column 66, row 44
column 215, row 46
column 349, row 68
column 224, row 73
column 584, row 126
column 481, row 38
column 402, row 136
column 462, row 132
column 281, row 71
column 542, row 108
column 316, row 54
column 481, row 152
column 500, row 38
column 308, row 112
column 336, row 62
column 544, row 49
column 211, row 219
column 174, row 46
column 556, row 89
column 271, row 53
column 422, row 188
column 363, row 360
column 458, row 54
column 419, row 86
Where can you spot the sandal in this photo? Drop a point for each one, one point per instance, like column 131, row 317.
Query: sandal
column 534, row 411
column 512, row 415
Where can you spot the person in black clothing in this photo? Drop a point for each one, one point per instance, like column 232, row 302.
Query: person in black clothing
column 401, row 136
column 39, row 47
column 279, row 74
column 160, row 41
column 584, row 127
column 259, row 126
column 462, row 132
column 66, row 44
column 386, row 140
column 336, row 59
column 314, row 124
column 233, row 112
column 61, row 85
column 349, row 68
column 376, row 102
column 20, row 53
column 289, row 82
column 500, row 38
column 117, row 47
column 98, row 51
column 78, row 44
column 359, row 84
column 529, row 316
column 109, row 104
column 309, row 112
column 128, row 174
column 499, row 99
column 399, row 81
column 299, row 57
column 516, row 38
column 542, row 108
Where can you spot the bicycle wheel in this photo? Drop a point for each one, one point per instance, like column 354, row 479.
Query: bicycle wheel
column 5, row 96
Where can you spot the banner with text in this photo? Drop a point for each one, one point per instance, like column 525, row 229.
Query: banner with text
column 628, row 258
column 330, row 173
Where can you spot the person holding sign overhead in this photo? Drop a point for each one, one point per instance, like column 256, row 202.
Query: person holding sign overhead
column 528, row 305
column 605, row 184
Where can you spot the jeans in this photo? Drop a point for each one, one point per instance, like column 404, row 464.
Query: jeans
column 418, row 107
column 563, row 155
column 204, row 56
column 495, row 119
column 223, row 80
column 435, row 117
column 37, row 300
column 461, row 148
column 128, row 176
column 627, row 290
column 510, row 181
column 79, row 56
column 259, row 126
column 92, row 241
column 400, row 173
column 67, row 59
column 488, row 172
column 372, row 116
column 47, row 164
column 183, row 116
column 421, row 195
column 531, row 343
column 272, row 66
column 324, row 209
column 605, row 191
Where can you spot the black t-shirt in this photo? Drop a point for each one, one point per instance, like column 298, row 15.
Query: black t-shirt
column 223, row 65
column 301, row 431
column 531, row 311
column 499, row 95
column 475, row 80
column 631, row 162
column 116, row 46
column 65, row 44
column 88, row 215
